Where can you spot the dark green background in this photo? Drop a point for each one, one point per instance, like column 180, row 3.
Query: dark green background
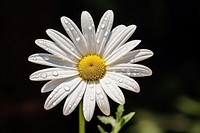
column 169, row 101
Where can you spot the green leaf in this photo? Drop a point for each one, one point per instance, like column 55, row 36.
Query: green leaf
column 101, row 130
column 119, row 113
column 127, row 118
column 107, row 120
column 117, row 123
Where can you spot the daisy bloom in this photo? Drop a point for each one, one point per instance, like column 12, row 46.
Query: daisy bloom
column 91, row 65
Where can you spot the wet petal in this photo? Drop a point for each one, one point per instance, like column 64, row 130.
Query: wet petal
column 64, row 43
column 124, row 81
column 135, row 56
column 89, row 101
column 60, row 92
column 75, row 34
column 102, row 99
column 51, row 85
column 121, row 51
column 123, row 34
column 103, row 30
column 52, row 73
column 49, row 60
column 74, row 98
column 131, row 70
column 88, row 30
column 112, row 90
column 53, row 49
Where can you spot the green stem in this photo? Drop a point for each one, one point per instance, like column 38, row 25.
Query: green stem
column 81, row 119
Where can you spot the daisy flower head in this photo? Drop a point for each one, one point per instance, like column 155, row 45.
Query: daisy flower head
column 91, row 65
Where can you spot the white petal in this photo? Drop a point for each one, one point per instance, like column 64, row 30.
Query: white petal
column 103, row 30
column 49, row 60
column 74, row 98
column 88, row 30
column 131, row 70
column 52, row 73
column 75, row 34
column 51, row 85
column 124, row 81
column 119, row 38
column 135, row 56
column 52, row 48
column 102, row 100
column 112, row 90
column 89, row 101
column 64, row 43
column 60, row 92
column 121, row 51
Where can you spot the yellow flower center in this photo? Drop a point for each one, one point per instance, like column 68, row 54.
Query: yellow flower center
column 91, row 67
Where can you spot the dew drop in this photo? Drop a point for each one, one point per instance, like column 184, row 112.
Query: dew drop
column 66, row 88
column 71, row 28
column 50, row 96
column 34, row 58
column 70, row 106
column 98, row 92
column 105, row 19
column 56, row 90
column 90, row 27
column 121, row 80
column 106, row 33
column 91, row 98
column 54, row 104
column 103, row 26
column 43, row 75
column 98, row 41
column 101, row 97
column 107, row 82
column 66, row 21
column 46, row 57
column 78, row 38
column 91, row 85
column 55, row 73
column 84, row 109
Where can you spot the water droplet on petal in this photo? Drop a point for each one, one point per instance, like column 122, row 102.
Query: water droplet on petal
column 106, row 33
column 101, row 97
column 55, row 73
column 46, row 57
column 90, row 27
column 71, row 28
column 91, row 85
column 103, row 26
column 54, row 104
column 66, row 88
column 43, row 75
column 91, row 98
column 84, row 109
column 107, row 82
column 121, row 80
column 98, row 92
column 66, row 21
column 34, row 58
column 50, row 96
column 78, row 38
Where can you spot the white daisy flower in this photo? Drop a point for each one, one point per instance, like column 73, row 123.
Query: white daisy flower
column 91, row 65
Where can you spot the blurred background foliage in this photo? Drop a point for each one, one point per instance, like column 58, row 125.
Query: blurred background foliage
column 169, row 101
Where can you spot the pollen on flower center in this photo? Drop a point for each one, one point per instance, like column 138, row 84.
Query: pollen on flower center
column 91, row 67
